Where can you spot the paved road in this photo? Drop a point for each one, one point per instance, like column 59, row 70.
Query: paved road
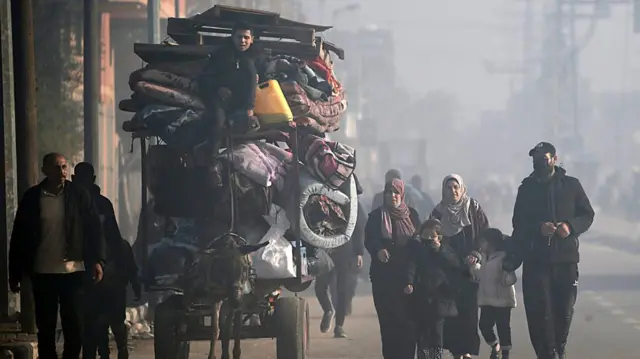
column 606, row 324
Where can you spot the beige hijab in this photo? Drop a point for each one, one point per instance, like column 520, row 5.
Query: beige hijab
column 455, row 215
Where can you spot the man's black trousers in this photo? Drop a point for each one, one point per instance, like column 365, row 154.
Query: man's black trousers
column 549, row 292
column 63, row 291
column 107, row 311
column 342, row 274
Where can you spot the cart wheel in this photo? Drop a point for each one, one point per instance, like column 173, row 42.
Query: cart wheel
column 166, row 345
column 292, row 328
column 298, row 287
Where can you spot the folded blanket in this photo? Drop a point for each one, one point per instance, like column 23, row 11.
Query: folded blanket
column 262, row 162
column 163, row 78
column 326, row 114
column 168, row 96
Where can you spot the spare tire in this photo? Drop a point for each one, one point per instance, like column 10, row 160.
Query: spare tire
column 310, row 186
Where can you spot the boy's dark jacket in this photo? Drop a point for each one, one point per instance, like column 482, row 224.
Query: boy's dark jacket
column 234, row 70
column 85, row 241
column 562, row 199
column 429, row 270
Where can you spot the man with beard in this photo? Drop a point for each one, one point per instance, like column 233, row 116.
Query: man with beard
column 229, row 84
column 550, row 213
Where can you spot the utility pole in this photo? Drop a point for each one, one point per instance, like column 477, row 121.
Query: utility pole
column 91, row 54
column 153, row 21
column 574, row 74
column 527, row 40
column 8, row 301
column 565, row 56
column 26, row 127
column 153, row 24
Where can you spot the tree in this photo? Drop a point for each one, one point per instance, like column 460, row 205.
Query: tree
column 58, row 51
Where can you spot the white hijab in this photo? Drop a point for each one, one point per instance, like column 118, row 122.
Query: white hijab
column 455, row 215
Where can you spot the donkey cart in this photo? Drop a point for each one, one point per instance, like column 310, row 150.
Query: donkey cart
column 210, row 287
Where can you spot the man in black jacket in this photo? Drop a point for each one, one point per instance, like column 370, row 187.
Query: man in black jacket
column 550, row 213
column 108, row 299
column 346, row 259
column 57, row 241
column 84, row 176
column 230, row 82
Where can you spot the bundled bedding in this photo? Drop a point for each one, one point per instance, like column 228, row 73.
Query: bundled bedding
column 170, row 101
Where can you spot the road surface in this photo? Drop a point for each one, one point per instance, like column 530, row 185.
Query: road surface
column 606, row 323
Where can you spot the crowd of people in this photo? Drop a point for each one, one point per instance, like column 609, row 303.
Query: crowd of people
column 436, row 283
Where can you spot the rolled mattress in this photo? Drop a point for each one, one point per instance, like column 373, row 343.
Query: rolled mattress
column 310, row 186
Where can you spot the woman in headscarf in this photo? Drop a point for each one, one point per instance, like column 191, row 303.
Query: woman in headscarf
column 462, row 221
column 387, row 233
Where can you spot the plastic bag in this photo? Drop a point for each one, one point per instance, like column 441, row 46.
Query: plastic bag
column 275, row 261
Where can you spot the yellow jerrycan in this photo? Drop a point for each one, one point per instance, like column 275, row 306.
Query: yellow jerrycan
column 271, row 106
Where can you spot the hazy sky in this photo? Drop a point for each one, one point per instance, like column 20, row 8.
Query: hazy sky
column 443, row 44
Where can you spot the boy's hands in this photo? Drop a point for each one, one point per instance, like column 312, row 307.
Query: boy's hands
column 435, row 243
column 408, row 289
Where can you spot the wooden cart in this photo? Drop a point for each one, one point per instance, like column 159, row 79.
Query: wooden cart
column 283, row 318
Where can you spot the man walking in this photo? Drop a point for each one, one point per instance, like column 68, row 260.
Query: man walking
column 341, row 282
column 109, row 297
column 550, row 213
column 57, row 241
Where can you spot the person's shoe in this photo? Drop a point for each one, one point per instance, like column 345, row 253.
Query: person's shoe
column 339, row 332
column 327, row 321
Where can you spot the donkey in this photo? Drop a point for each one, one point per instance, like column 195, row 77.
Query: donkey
column 223, row 272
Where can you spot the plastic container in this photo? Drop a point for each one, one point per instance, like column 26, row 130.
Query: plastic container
column 271, row 106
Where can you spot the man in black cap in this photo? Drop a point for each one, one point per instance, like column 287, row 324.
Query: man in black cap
column 550, row 213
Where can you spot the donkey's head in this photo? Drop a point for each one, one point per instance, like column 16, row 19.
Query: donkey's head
column 229, row 266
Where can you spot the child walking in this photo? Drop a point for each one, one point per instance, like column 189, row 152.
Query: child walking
column 430, row 262
column 496, row 293
column 110, row 301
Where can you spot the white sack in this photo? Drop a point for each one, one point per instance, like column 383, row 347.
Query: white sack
column 275, row 261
